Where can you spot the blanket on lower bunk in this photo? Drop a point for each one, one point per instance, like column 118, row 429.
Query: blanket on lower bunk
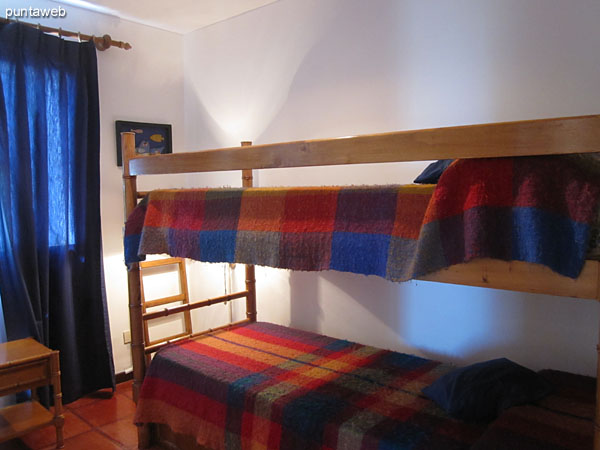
column 533, row 209
column 267, row 386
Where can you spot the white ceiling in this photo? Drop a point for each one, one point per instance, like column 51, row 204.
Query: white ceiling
column 179, row 16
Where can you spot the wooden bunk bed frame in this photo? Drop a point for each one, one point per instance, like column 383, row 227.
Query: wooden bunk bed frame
column 522, row 138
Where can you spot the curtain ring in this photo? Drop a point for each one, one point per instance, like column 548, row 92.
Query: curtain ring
column 79, row 36
column 60, row 33
column 38, row 26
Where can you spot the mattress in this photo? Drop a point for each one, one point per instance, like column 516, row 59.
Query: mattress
column 564, row 420
column 266, row 386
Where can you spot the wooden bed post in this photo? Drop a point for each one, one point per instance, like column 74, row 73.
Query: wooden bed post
column 250, row 277
column 134, row 287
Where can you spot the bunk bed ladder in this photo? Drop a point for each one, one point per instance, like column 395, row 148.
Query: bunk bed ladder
column 181, row 298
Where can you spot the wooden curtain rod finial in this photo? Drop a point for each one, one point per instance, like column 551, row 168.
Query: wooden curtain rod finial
column 102, row 43
column 123, row 45
column 105, row 42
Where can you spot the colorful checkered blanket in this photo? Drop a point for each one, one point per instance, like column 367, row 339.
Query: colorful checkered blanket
column 533, row 209
column 269, row 387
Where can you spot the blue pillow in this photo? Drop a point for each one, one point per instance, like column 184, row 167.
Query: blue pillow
column 433, row 171
column 479, row 392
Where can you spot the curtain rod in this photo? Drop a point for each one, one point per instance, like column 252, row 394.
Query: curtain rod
column 101, row 43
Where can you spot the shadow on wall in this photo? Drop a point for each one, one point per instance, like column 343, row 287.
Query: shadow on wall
column 449, row 323
column 473, row 324
column 204, row 132
column 348, row 306
column 305, row 309
column 246, row 85
column 354, row 80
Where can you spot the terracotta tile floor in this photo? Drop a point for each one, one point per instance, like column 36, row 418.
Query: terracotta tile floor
column 99, row 421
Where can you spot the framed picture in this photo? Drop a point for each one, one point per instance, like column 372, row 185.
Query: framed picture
column 150, row 138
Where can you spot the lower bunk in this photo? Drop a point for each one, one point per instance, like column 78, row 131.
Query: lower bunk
column 266, row 386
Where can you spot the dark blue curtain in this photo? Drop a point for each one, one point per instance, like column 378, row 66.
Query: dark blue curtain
column 51, row 279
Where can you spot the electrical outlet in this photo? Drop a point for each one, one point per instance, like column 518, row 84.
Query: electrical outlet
column 126, row 337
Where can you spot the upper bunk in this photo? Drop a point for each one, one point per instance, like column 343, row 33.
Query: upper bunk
column 508, row 139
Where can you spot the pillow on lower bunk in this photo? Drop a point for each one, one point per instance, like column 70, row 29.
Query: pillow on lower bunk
column 433, row 172
column 586, row 161
column 479, row 392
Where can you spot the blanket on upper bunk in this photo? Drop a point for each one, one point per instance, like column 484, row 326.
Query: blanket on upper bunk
column 533, row 209
column 267, row 386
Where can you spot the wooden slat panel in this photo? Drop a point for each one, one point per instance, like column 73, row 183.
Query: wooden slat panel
column 181, row 298
column 531, row 137
column 171, row 338
column 165, row 300
column 521, row 276
column 159, row 262
column 191, row 306
column 156, row 347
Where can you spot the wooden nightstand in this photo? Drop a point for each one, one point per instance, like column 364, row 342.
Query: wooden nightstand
column 27, row 364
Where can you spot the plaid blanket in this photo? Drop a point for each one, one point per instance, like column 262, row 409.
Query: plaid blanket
column 533, row 209
column 267, row 386
column 351, row 229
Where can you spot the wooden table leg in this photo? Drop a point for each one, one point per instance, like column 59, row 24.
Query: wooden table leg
column 59, row 418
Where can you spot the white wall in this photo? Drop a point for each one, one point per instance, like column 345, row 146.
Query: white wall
column 143, row 84
column 301, row 69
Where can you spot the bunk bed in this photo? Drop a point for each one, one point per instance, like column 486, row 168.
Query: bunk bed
column 499, row 142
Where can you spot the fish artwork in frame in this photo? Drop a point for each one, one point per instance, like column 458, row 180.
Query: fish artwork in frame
column 150, row 138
